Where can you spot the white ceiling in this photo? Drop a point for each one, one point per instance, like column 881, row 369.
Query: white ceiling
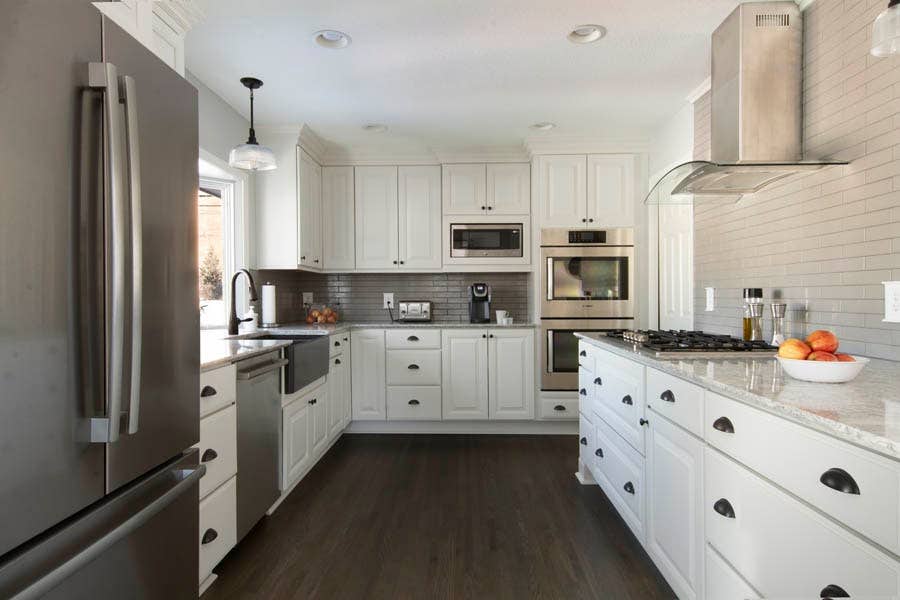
column 457, row 73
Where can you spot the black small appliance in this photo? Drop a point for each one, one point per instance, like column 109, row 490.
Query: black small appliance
column 479, row 303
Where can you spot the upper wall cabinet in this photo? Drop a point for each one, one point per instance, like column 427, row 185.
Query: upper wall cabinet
column 377, row 241
column 419, row 190
column 597, row 190
column 493, row 189
column 339, row 241
column 309, row 197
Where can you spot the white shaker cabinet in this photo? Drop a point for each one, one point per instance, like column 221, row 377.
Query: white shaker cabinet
column 296, row 447
column 563, row 190
column 319, row 401
column 309, row 226
column 377, row 236
column 338, row 394
column 508, row 189
column 368, row 381
column 464, row 353
column 419, row 212
column 464, row 189
column 511, row 374
column 596, row 190
column 610, row 190
column 338, row 227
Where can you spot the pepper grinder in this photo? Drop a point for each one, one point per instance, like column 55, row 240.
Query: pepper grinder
column 778, row 312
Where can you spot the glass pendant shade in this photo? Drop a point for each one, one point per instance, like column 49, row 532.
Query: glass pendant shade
column 252, row 157
column 886, row 31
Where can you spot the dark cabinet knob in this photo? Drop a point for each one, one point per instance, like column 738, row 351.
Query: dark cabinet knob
column 413, row 402
column 490, row 208
column 584, row 220
column 302, row 258
column 208, row 391
column 590, row 220
column 346, row 339
column 627, row 400
column 484, row 335
column 559, row 408
column 583, row 441
column 628, row 487
column 209, row 535
column 840, row 480
column 313, row 401
column 833, row 591
column 582, row 353
column 491, row 335
column 208, row 455
column 724, row 508
column 484, row 208
column 315, row 260
column 598, row 381
column 598, row 452
column 413, row 367
column 667, row 396
column 724, row 425
column 583, row 392
column 395, row 262
column 402, row 262
column 412, row 338
column 644, row 422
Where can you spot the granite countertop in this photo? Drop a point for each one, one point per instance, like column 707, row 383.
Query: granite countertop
column 215, row 353
column 864, row 412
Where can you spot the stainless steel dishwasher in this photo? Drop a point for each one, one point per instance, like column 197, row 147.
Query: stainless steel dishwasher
column 258, row 437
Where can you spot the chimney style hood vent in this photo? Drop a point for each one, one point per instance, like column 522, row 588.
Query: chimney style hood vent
column 756, row 109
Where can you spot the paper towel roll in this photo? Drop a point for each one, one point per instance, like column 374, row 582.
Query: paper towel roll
column 268, row 305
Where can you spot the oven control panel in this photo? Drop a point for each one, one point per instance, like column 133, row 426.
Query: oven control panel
column 587, row 237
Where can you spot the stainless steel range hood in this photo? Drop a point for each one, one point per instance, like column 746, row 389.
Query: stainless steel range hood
column 756, row 109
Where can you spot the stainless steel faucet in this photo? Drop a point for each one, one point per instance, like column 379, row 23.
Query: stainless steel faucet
column 233, row 320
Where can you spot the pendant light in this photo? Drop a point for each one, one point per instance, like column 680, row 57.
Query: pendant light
column 886, row 31
column 251, row 156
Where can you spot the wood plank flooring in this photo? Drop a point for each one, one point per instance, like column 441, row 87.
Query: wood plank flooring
column 442, row 517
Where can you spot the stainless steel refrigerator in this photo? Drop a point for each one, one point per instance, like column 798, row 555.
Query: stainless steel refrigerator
column 99, row 354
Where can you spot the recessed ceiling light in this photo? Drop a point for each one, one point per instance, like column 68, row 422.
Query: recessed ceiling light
column 331, row 38
column 585, row 34
column 375, row 127
column 543, row 126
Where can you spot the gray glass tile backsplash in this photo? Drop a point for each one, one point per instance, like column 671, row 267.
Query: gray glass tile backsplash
column 358, row 296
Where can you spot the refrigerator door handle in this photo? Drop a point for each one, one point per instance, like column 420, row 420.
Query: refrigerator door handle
column 104, row 76
column 132, row 144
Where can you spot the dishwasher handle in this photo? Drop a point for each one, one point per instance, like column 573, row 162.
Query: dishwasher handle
column 261, row 370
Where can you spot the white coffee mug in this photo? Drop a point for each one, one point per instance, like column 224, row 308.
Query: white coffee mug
column 501, row 316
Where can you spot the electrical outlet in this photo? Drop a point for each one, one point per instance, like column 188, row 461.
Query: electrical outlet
column 307, row 297
column 891, row 301
column 710, row 299
column 388, row 300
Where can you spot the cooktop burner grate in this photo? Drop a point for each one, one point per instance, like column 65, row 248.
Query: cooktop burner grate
column 665, row 342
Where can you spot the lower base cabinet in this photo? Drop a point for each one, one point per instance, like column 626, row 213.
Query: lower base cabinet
column 296, row 448
column 218, row 526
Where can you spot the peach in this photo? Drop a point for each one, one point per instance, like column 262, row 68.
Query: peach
column 794, row 348
column 822, row 340
column 823, row 356
column 844, row 357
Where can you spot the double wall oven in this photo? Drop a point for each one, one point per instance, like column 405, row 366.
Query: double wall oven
column 587, row 284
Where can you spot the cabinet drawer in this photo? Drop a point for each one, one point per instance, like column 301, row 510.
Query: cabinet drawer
column 414, row 367
column 585, row 441
column 414, row 402
column 724, row 582
column 586, row 354
column 586, row 394
column 798, row 460
column 553, row 408
column 622, row 476
column 413, row 338
column 218, row 448
column 218, row 389
column 606, row 363
column 677, row 400
column 218, row 526
column 619, row 400
column 782, row 547
column 338, row 343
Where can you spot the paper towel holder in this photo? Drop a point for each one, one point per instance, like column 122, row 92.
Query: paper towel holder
column 268, row 312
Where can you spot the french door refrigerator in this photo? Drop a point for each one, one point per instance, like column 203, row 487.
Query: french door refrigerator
column 99, row 355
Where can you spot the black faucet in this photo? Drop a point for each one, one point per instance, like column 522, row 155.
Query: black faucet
column 233, row 320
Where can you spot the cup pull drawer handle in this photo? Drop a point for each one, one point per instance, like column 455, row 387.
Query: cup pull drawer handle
column 208, row 455
column 629, row 487
column 582, row 353
column 313, row 401
column 840, row 480
column 413, row 402
column 337, row 361
column 667, row 396
column 833, row 591
column 598, row 381
column 209, row 535
column 412, row 338
column 627, row 400
column 583, row 441
column 724, row 425
column 644, row 422
column 599, row 452
column 724, row 508
column 582, row 392
column 559, row 407
column 413, row 367
column 208, row 391
column 337, row 343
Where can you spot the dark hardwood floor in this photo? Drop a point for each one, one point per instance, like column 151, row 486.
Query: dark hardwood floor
column 434, row 517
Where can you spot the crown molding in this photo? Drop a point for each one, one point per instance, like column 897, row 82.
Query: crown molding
column 314, row 145
column 482, row 154
column 698, row 91
column 804, row 4
column 377, row 156
column 181, row 15
column 584, row 145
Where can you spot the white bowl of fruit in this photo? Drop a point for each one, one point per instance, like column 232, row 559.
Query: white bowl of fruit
column 816, row 359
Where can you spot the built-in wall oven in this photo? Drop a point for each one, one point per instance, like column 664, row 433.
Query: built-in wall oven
column 587, row 284
column 486, row 240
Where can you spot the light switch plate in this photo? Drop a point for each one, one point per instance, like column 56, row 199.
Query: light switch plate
column 710, row 298
column 307, row 297
column 891, row 301
column 388, row 300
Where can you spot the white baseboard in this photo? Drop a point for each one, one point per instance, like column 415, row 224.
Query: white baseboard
column 463, row 427
column 206, row 583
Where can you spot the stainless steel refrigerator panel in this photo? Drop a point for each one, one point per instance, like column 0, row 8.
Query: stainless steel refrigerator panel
column 164, row 114
column 140, row 542
column 51, row 291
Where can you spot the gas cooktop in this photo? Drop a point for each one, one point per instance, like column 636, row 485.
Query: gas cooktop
column 692, row 344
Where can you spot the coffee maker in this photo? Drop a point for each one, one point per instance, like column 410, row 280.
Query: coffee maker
column 479, row 303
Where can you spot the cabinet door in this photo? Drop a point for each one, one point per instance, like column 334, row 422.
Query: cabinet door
column 336, row 400
column 345, row 386
column 464, row 374
column 563, row 195
column 318, row 401
column 509, row 189
column 368, row 382
column 309, row 198
column 511, row 374
column 338, row 243
column 464, row 189
column 420, row 217
column 610, row 190
column 295, row 450
column 675, row 538
column 376, row 218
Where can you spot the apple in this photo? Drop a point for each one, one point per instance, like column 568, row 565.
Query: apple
column 794, row 348
column 844, row 357
column 310, row 320
column 822, row 340
column 822, row 356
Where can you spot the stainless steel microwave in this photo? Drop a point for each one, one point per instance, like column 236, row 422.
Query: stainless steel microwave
column 486, row 240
